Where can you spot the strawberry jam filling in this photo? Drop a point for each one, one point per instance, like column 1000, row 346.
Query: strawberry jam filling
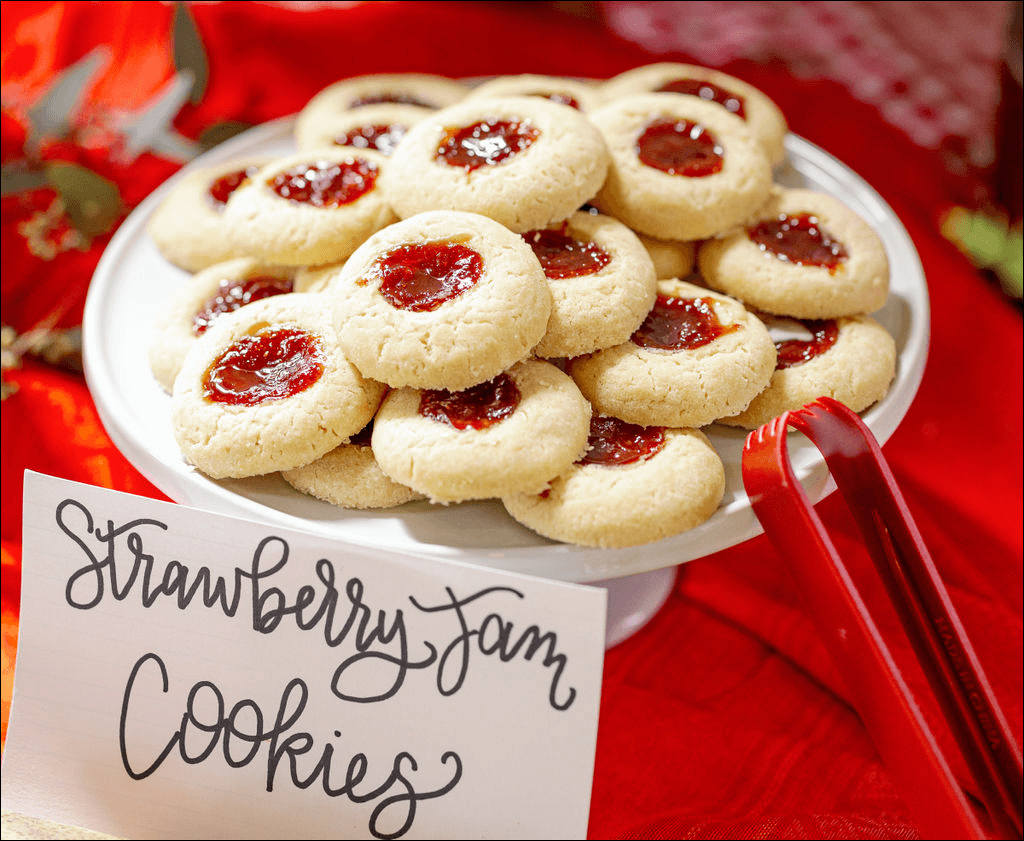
column 486, row 143
column 221, row 189
column 233, row 294
column 799, row 239
column 708, row 91
column 478, row 407
column 382, row 138
column 562, row 255
column 681, row 324
column 792, row 352
column 422, row 276
column 613, row 442
column 326, row 183
column 680, row 147
column 271, row 364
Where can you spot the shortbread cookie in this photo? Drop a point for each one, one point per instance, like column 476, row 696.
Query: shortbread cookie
column 805, row 255
column 441, row 300
column 420, row 90
column 636, row 485
column 580, row 94
column 222, row 288
column 682, row 168
column 852, row 360
column 268, row 388
column 511, row 434
column 765, row 118
column 523, row 161
column 602, row 283
column 310, row 208
column 316, row 278
column 671, row 258
column 188, row 227
column 377, row 127
column 698, row 356
column 349, row 477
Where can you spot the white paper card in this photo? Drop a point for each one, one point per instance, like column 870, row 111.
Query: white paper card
column 182, row 674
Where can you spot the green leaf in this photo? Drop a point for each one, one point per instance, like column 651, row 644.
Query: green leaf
column 189, row 53
column 93, row 203
column 18, row 178
column 219, row 132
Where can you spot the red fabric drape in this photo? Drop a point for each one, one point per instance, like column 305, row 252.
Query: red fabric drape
column 722, row 718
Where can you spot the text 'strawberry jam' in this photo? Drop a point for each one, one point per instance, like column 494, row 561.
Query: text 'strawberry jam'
column 614, row 442
column 271, row 364
column 681, row 324
column 478, row 407
column 421, row 277
column 824, row 333
column 680, row 147
column 708, row 91
column 485, row 143
column 380, row 137
column 234, row 294
column 326, row 183
column 221, row 189
column 799, row 239
column 562, row 255
column 389, row 99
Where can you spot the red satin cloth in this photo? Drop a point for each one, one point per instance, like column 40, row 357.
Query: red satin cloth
column 723, row 718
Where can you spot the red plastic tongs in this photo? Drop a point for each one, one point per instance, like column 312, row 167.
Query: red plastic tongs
column 877, row 687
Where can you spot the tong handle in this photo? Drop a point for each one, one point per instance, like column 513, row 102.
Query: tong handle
column 881, row 695
column 930, row 620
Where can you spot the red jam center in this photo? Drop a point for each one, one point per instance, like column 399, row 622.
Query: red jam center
column 486, row 143
column 478, row 407
column 389, row 98
column 421, row 277
column 326, row 183
column 564, row 256
column 680, row 147
column 797, row 351
column 383, row 138
column 799, row 239
column 223, row 187
column 233, row 294
column 681, row 324
column 613, row 441
column 274, row 363
column 709, row 91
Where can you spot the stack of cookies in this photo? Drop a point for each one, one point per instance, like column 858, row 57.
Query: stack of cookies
column 538, row 290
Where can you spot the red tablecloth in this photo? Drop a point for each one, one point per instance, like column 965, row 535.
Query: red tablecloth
column 723, row 717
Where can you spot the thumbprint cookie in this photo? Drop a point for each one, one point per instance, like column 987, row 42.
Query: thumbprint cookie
column 851, row 359
column 440, row 300
column 635, row 485
column 523, row 161
column 268, row 388
column 698, row 356
column 681, row 168
column 805, row 255
column 311, row 207
column 761, row 114
column 513, row 433
column 188, row 228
